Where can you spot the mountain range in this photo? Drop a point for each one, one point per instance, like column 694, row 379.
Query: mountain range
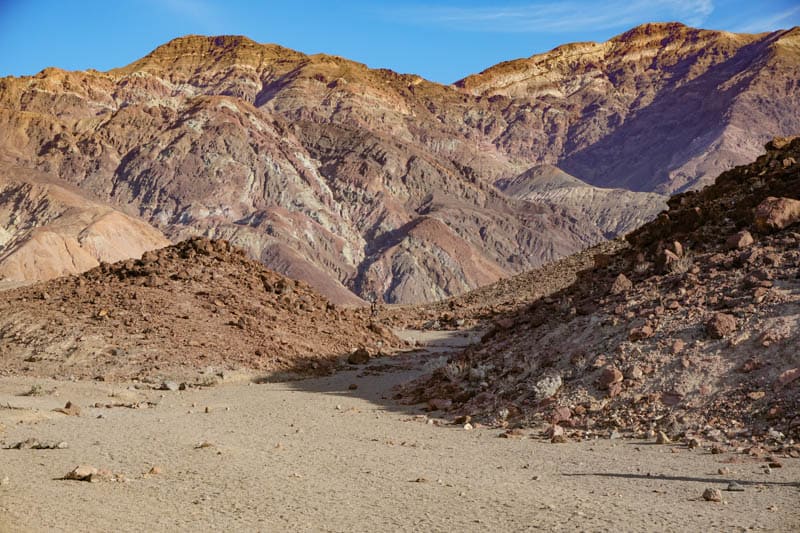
column 368, row 184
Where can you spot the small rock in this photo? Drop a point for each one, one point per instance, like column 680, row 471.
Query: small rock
column 559, row 439
column 693, row 444
column 634, row 373
column 637, row 334
column 712, row 495
column 621, row 284
column 662, row 438
column 154, row 471
column 609, row 376
column 734, row 487
column 724, row 471
column 170, row 386
column 69, row 409
column 82, row 473
column 352, row 386
column 786, row 377
column 360, row 356
column 468, row 426
column 720, row 325
column 440, row 404
column 739, row 240
column 547, row 387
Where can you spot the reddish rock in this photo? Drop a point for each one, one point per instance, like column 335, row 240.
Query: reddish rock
column 440, row 404
column 774, row 214
column 561, row 414
column 721, row 325
column 786, row 377
column 621, row 284
column 637, row 334
column 677, row 346
column 609, row 376
column 739, row 240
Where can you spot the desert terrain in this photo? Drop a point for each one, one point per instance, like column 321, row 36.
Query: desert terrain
column 314, row 455
column 248, row 288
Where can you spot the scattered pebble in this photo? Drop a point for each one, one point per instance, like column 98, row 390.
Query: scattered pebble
column 82, row 473
column 712, row 495
column 170, row 386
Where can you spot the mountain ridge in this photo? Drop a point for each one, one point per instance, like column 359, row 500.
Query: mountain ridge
column 317, row 163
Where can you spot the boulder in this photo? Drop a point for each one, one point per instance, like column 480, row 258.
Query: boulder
column 775, row 214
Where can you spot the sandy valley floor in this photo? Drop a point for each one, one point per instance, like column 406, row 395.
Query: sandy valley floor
column 314, row 455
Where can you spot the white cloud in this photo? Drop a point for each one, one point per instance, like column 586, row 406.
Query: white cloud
column 781, row 20
column 551, row 16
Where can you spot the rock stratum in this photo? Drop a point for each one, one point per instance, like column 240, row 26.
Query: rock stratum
column 691, row 329
column 48, row 229
column 382, row 185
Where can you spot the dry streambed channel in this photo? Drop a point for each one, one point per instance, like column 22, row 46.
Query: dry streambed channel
column 337, row 454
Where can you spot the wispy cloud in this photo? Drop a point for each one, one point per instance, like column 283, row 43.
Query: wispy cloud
column 552, row 16
column 789, row 17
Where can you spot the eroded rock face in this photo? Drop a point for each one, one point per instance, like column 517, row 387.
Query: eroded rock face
column 48, row 230
column 383, row 184
column 600, row 110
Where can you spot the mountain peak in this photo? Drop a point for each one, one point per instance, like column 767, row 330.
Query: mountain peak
column 193, row 49
column 655, row 30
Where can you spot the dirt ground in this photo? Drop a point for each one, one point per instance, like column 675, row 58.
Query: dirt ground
column 316, row 455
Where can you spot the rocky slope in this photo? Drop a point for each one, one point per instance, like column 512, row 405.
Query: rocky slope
column 662, row 107
column 692, row 330
column 49, row 230
column 383, row 184
column 613, row 211
column 180, row 309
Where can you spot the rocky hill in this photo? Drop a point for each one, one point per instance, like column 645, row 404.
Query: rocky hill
column 193, row 306
column 662, row 107
column 614, row 211
column 48, row 229
column 691, row 330
column 382, row 184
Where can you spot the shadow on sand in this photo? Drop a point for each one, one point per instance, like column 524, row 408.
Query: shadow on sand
column 375, row 381
column 714, row 480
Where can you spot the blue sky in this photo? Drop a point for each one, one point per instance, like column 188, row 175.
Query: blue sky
column 442, row 40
